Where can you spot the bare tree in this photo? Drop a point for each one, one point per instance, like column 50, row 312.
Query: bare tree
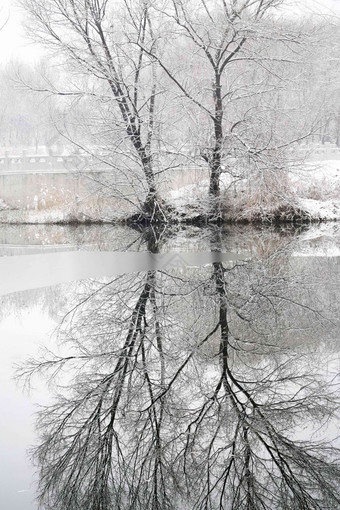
column 227, row 59
column 98, row 40
column 220, row 68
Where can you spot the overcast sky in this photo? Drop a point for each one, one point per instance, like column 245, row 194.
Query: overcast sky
column 14, row 44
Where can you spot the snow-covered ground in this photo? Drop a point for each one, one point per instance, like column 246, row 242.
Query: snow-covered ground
column 315, row 187
column 325, row 173
column 321, row 209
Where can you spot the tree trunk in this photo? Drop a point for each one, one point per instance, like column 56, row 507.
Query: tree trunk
column 153, row 209
column 215, row 160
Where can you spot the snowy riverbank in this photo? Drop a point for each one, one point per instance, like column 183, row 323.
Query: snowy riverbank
column 310, row 193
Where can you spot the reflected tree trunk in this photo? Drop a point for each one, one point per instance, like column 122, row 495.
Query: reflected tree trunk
column 179, row 400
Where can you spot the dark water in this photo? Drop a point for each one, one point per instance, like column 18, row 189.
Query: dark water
column 190, row 369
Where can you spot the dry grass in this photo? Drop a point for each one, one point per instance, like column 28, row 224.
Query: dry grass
column 66, row 210
column 321, row 190
column 265, row 198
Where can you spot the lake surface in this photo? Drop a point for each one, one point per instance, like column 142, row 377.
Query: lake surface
column 184, row 369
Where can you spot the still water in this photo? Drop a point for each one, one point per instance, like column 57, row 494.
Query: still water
column 188, row 369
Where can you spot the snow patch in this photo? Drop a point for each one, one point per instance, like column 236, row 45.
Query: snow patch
column 321, row 209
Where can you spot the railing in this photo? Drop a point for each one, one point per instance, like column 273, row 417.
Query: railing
column 28, row 162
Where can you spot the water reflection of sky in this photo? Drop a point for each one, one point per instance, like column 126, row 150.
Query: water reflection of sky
column 21, row 331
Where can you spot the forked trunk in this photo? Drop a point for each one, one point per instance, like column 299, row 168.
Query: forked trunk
column 153, row 209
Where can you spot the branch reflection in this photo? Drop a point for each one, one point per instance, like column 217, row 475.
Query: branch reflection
column 193, row 388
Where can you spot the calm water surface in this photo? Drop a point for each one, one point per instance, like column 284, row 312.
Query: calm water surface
column 177, row 369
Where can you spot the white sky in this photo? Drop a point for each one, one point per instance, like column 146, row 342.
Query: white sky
column 14, row 44
column 327, row 6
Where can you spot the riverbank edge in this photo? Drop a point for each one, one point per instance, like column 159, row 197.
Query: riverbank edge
column 281, row 215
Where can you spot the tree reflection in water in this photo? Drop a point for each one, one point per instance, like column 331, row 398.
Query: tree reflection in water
column 191, row 389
